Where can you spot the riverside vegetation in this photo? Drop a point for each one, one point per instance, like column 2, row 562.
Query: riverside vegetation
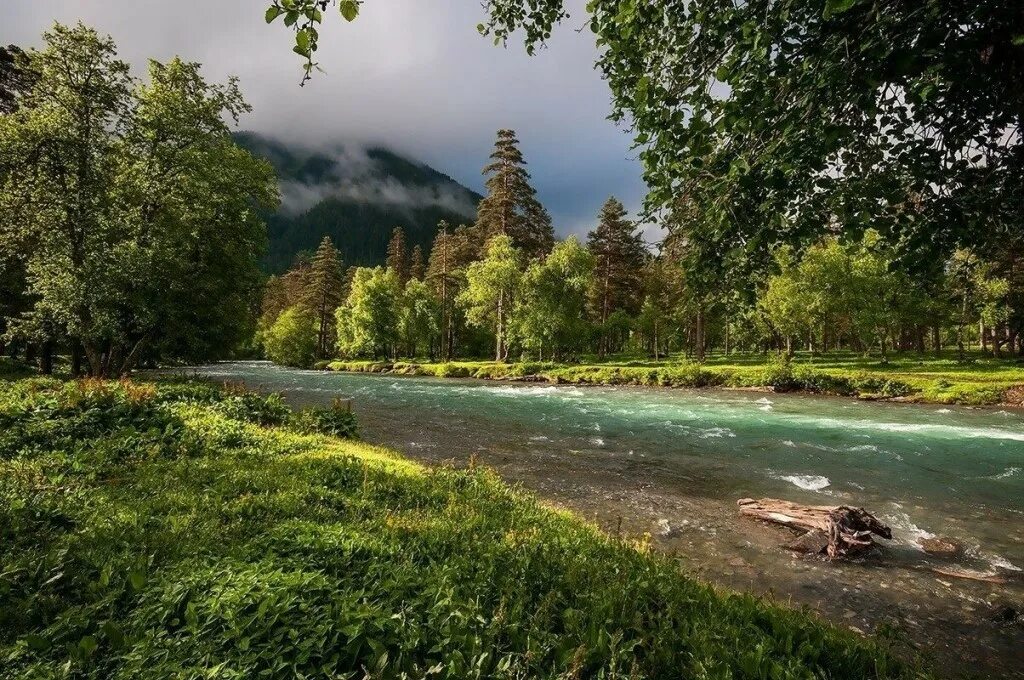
column 176, row 528
column 933, row 380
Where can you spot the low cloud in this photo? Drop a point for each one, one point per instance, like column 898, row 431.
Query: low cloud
column 408, row 75
column 356, row 176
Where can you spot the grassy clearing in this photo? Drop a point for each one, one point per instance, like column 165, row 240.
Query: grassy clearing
column 174, row 530
column 940, row 380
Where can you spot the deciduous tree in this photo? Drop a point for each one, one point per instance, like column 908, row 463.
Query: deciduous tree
column 492, row 289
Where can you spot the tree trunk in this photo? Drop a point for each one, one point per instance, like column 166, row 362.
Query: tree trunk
column 76, row 358
column 726, row 335
column 842, row 530
column 46, row 357
column 95, row 357
column 698, row 340
column 499, row 329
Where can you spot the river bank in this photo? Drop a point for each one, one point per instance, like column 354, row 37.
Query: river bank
column 672, row 463
column 908, row 380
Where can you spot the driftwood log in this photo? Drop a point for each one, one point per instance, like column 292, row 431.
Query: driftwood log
column 837, row 531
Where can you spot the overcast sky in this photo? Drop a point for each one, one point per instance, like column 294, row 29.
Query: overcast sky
column 413, row 75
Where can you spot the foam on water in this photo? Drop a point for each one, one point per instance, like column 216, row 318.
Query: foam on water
column 949, row 431
column 904, row 530
column 1007, row 473
column 807, row 482
column 716, row 433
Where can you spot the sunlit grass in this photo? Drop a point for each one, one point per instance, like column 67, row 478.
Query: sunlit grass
column 155, row 533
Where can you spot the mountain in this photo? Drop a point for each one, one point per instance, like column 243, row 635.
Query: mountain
column 357, row 196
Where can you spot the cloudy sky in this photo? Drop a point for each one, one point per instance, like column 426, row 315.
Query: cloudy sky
column 413, row 75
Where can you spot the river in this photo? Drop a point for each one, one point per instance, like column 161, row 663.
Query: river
column 672, row 463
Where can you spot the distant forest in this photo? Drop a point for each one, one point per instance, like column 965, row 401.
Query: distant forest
column 359, row 227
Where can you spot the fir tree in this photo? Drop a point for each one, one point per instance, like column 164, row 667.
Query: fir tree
column 511, row 207
column 324, row 286
column 451, row 253
column 416, row 266
column 619, row 256
column 398, row 255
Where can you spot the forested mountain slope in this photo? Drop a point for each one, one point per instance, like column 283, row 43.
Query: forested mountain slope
column 357, row 197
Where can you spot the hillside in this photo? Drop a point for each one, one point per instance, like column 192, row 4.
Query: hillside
column 357, row 197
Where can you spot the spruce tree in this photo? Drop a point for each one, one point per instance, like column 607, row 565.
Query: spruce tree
column 322, row 294
column 511, row 207
column 442, row 278
column 398, row 255
column 619, row 256
column 451, row 253
column 416, row 266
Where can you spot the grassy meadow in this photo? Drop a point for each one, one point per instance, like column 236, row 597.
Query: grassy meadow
column 156, row 530
column 943, row 379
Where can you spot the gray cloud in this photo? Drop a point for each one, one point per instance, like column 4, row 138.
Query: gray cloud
column 410, row 75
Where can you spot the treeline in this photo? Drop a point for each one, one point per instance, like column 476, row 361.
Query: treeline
column 503, row 287
column 129, row 227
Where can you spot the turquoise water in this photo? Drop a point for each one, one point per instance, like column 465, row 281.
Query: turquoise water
column 949, row 471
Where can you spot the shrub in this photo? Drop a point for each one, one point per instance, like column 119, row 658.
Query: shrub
column 291, row 341
column 335, row 421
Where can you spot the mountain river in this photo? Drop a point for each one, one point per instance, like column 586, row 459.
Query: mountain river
column 672, row 463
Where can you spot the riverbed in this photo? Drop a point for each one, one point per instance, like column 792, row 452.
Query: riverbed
column 672, row 463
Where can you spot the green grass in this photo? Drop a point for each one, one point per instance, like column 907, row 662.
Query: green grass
column 177, row 530
column 943, row 380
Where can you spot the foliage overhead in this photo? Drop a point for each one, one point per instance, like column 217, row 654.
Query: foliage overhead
column 777, row 122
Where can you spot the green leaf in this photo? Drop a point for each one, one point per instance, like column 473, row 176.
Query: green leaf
column 349, row 9
column 37, row 642
column 302, row 41
column 113, row 634
column 834, row 7
column 137, row 579
column 273, row 13
column 88, row 645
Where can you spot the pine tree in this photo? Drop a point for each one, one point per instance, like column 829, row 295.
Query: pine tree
column 442, row 278
column 619, row 256
column 511, row 207
column 398, row 255
column 416, row 266
column 294, row 280
column 451, row 253
column 322, row 294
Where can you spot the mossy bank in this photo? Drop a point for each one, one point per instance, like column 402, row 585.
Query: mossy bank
column 933, row 381
column 178, row 530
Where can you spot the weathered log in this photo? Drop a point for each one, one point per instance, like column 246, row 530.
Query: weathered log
column 848, row 530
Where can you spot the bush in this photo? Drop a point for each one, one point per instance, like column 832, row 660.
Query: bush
column 291, row 341
column 335, row 421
